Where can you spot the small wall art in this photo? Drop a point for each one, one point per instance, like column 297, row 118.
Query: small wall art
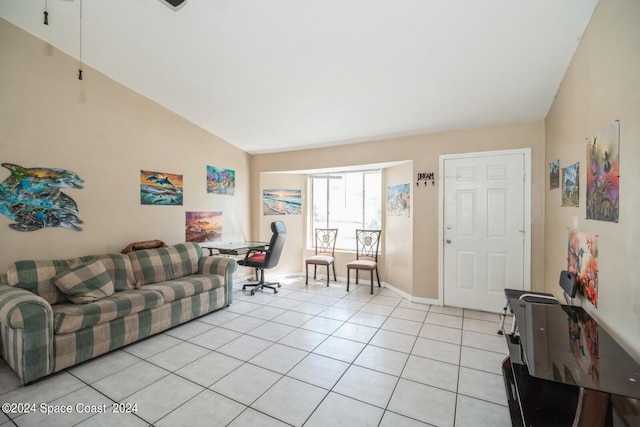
column 583, row 262
column 554, row 174
column 160, row 188
column 398, row 200
column 221, row 181
column 570, row 185
column 203, row 226
column 603, row 161
column 282, row 202
column 32, row 198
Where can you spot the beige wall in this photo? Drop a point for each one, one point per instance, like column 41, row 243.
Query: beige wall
column 601, row 85
column 423, row 151
column 106, row 134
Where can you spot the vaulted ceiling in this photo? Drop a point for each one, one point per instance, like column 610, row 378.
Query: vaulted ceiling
column 276, row 75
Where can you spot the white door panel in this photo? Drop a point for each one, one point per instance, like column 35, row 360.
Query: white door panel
column 483, row 229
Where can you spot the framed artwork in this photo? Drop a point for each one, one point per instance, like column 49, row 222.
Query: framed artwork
column 31, row 197
column 554, row 174
column 570, row 185
column 160, row 188
column 282, row 202
column 203, row 226
column 583, row 262
column 398, row 200
column 603, row 173
column 221, row 181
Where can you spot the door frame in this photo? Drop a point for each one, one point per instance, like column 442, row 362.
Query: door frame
column 527, row 212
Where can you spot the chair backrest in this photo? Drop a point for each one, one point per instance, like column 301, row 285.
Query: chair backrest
column 276, row 244
column 569, row 284
column 326, row 241
column 367, row 244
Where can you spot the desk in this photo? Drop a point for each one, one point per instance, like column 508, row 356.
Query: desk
column 563, row 367
column 233, row 248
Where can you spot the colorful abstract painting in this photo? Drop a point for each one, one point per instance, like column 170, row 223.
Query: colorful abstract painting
column 554, row 174
column 203, row 226
column 583, row 336
column 160, row 188
column 583, row 262
column 32, row 198
column 398, row 200
column 603, row 161
column 221, row 181
column 570, row 185
column 282, row 202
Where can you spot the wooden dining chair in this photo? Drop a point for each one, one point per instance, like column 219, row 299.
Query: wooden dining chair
column 325, row 245
column 367, row 245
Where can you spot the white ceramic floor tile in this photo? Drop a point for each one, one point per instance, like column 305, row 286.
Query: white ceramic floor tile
column 178, row 356
column 452, row 311
column 244, row 324
column 45, row 390
column 319, row 370
column 409, row 314
column 109, row 419
column 405, row 303
column 102, row 366
column 253, row 418
column 243, row 307
column 292, row 318
column 349, row 303
column 491, row 342
column 483, row 326
column 303, row 339
column 130, row 380
column 482, row 385
column 9, row 380
column 337, row 313
column 323, row 325
column 205, row 409
column 215, row 338
column 382, row 360
column 152, row 345
column 403, row 326
column 391, row 419
column 304, row 399
column 482, row 360
column 473, row 412
column 338, row 348
column 244, row 347
column 310, row 308
column 367, row 386
column 424, row 403
column 393, row 341
column 209, row 369
column 443, row 320
column 482, row 315
column 437, row 350
column 219, row 317
column 324, row 300
column 355, row 332
column 392, row 300
column 189, row 330
column 338, row 410
column 279, row 358
column 432, row 372
column 284, row 303
column 267, row 312
column 379, row 309
column 235, row 385
column 271, row 331
column 441, row 333
column 368, row 319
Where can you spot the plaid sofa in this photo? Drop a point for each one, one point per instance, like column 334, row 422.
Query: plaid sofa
column 42, row 332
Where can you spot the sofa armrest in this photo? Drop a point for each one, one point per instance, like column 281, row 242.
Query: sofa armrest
column 26, row 333
column 222, row 265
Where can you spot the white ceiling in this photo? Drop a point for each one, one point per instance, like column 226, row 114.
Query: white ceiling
column 276, row 75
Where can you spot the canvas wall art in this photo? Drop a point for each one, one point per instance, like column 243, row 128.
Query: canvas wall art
column 203, row 226
column 221, row 181
column 282, row 202
column 570, row 185
column 398, row 200
column 583, row 262
column 160, row 188
column 32, row 197
column 603, row 161
column 554, row 174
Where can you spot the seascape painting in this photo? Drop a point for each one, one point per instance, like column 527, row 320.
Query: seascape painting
column 603, row 173
column 32, row 198
column 221, row 181
column 398, row 200
column 583, row 262
column 570, row 185
column 554, row 174
column 160, row 188
column 203, row 227
column 282, row 202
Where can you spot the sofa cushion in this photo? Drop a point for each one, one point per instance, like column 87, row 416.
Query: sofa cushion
column 87, row 282
column 37, row 277
column 186, row 286
column 162, row 264
column 119, row 268
column 69, row 317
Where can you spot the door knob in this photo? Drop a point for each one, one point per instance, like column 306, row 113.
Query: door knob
column 448, row 241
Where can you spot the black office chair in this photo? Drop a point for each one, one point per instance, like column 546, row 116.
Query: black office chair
column 266, row 258
column 567, row 282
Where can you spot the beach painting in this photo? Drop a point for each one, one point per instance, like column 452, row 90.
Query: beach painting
column 603, row 173
column 570, row 185
column 282, row 202
column 398, row 200
column 554, row 174
column 583, row 262
column 160, row 188
column 203, row 226
column 221, row 181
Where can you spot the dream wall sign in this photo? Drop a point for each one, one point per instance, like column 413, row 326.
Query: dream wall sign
column 32, row 198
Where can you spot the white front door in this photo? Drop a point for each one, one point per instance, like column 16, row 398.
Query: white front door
column 484, row 228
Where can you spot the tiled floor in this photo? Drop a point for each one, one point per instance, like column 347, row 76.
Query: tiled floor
column 309, row 355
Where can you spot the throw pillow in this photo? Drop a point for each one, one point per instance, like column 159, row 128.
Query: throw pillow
column 87, row 282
